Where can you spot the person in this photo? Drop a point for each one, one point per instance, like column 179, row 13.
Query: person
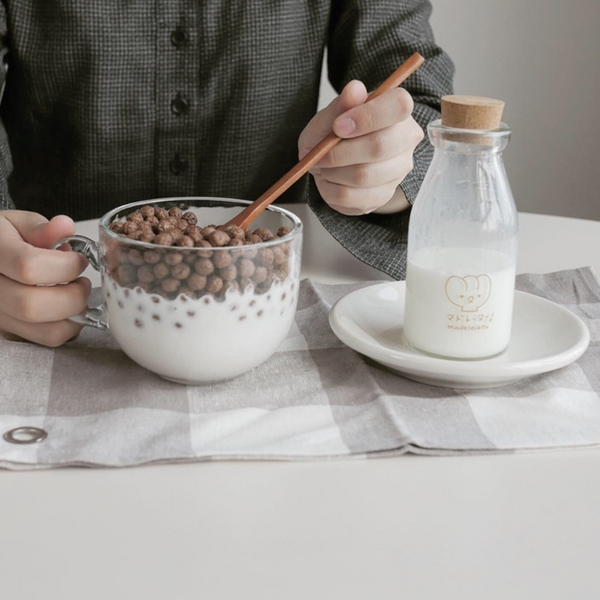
column 109, row 103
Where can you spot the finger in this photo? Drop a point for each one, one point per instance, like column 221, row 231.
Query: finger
column 391, row 171
column 31, row 265
column 321, row 125
column 35, row 304
column 397, row 203
column 36, row 230
column 47, row 334
column 393, row 106
column 43, row 234
column 354, row 201
column 377, row 146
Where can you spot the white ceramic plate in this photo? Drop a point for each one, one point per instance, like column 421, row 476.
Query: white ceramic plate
column 545, row 336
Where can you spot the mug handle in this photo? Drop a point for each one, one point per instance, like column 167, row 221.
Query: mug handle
column 92, row 316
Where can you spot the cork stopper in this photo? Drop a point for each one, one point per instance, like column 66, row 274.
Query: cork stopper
column 471, row 112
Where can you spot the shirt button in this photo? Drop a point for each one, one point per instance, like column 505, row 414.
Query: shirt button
column 179, row 37
column 178, row 165
column 180, row 104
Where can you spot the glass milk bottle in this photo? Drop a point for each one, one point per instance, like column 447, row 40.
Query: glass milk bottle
column 462, row 238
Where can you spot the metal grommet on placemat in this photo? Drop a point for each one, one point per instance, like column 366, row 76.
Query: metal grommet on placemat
column 25, row 435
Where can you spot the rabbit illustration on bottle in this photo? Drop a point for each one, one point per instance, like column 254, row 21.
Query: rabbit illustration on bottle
column 469, row 293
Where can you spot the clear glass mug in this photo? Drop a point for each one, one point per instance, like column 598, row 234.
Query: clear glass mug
column 195, row 315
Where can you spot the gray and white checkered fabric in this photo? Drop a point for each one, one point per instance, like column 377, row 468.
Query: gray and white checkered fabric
column 314, row 398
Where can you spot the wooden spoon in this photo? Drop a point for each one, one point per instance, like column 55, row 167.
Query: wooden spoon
column 250, row 213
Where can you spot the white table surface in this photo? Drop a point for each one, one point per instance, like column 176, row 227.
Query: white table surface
column 524, row 526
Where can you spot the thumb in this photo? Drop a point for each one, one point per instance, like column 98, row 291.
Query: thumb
column 321, row 125
column 39, row 232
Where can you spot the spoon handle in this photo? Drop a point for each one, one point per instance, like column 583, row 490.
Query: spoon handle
column 244, row 218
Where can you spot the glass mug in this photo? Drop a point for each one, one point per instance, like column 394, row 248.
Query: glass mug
column 196, row 315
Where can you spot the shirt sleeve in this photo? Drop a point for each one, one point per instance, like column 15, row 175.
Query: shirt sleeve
column 5, row 157
column 368, row 40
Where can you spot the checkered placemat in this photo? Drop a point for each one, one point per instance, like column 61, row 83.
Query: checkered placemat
column 314, row 398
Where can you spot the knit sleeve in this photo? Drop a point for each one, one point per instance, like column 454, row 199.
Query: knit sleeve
column 368, row 40
column 5, row 157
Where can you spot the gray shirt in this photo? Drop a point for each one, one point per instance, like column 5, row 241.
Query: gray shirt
column 112, row 102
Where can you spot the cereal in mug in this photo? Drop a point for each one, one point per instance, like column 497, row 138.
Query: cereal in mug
column 195, row 274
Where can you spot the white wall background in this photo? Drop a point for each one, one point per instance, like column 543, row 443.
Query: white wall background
column 542, row 57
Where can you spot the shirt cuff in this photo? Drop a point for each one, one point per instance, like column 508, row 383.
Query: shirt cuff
column 377, row 240
column 380, row 240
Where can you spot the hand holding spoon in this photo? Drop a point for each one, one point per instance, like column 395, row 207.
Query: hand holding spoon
column 244, row 218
